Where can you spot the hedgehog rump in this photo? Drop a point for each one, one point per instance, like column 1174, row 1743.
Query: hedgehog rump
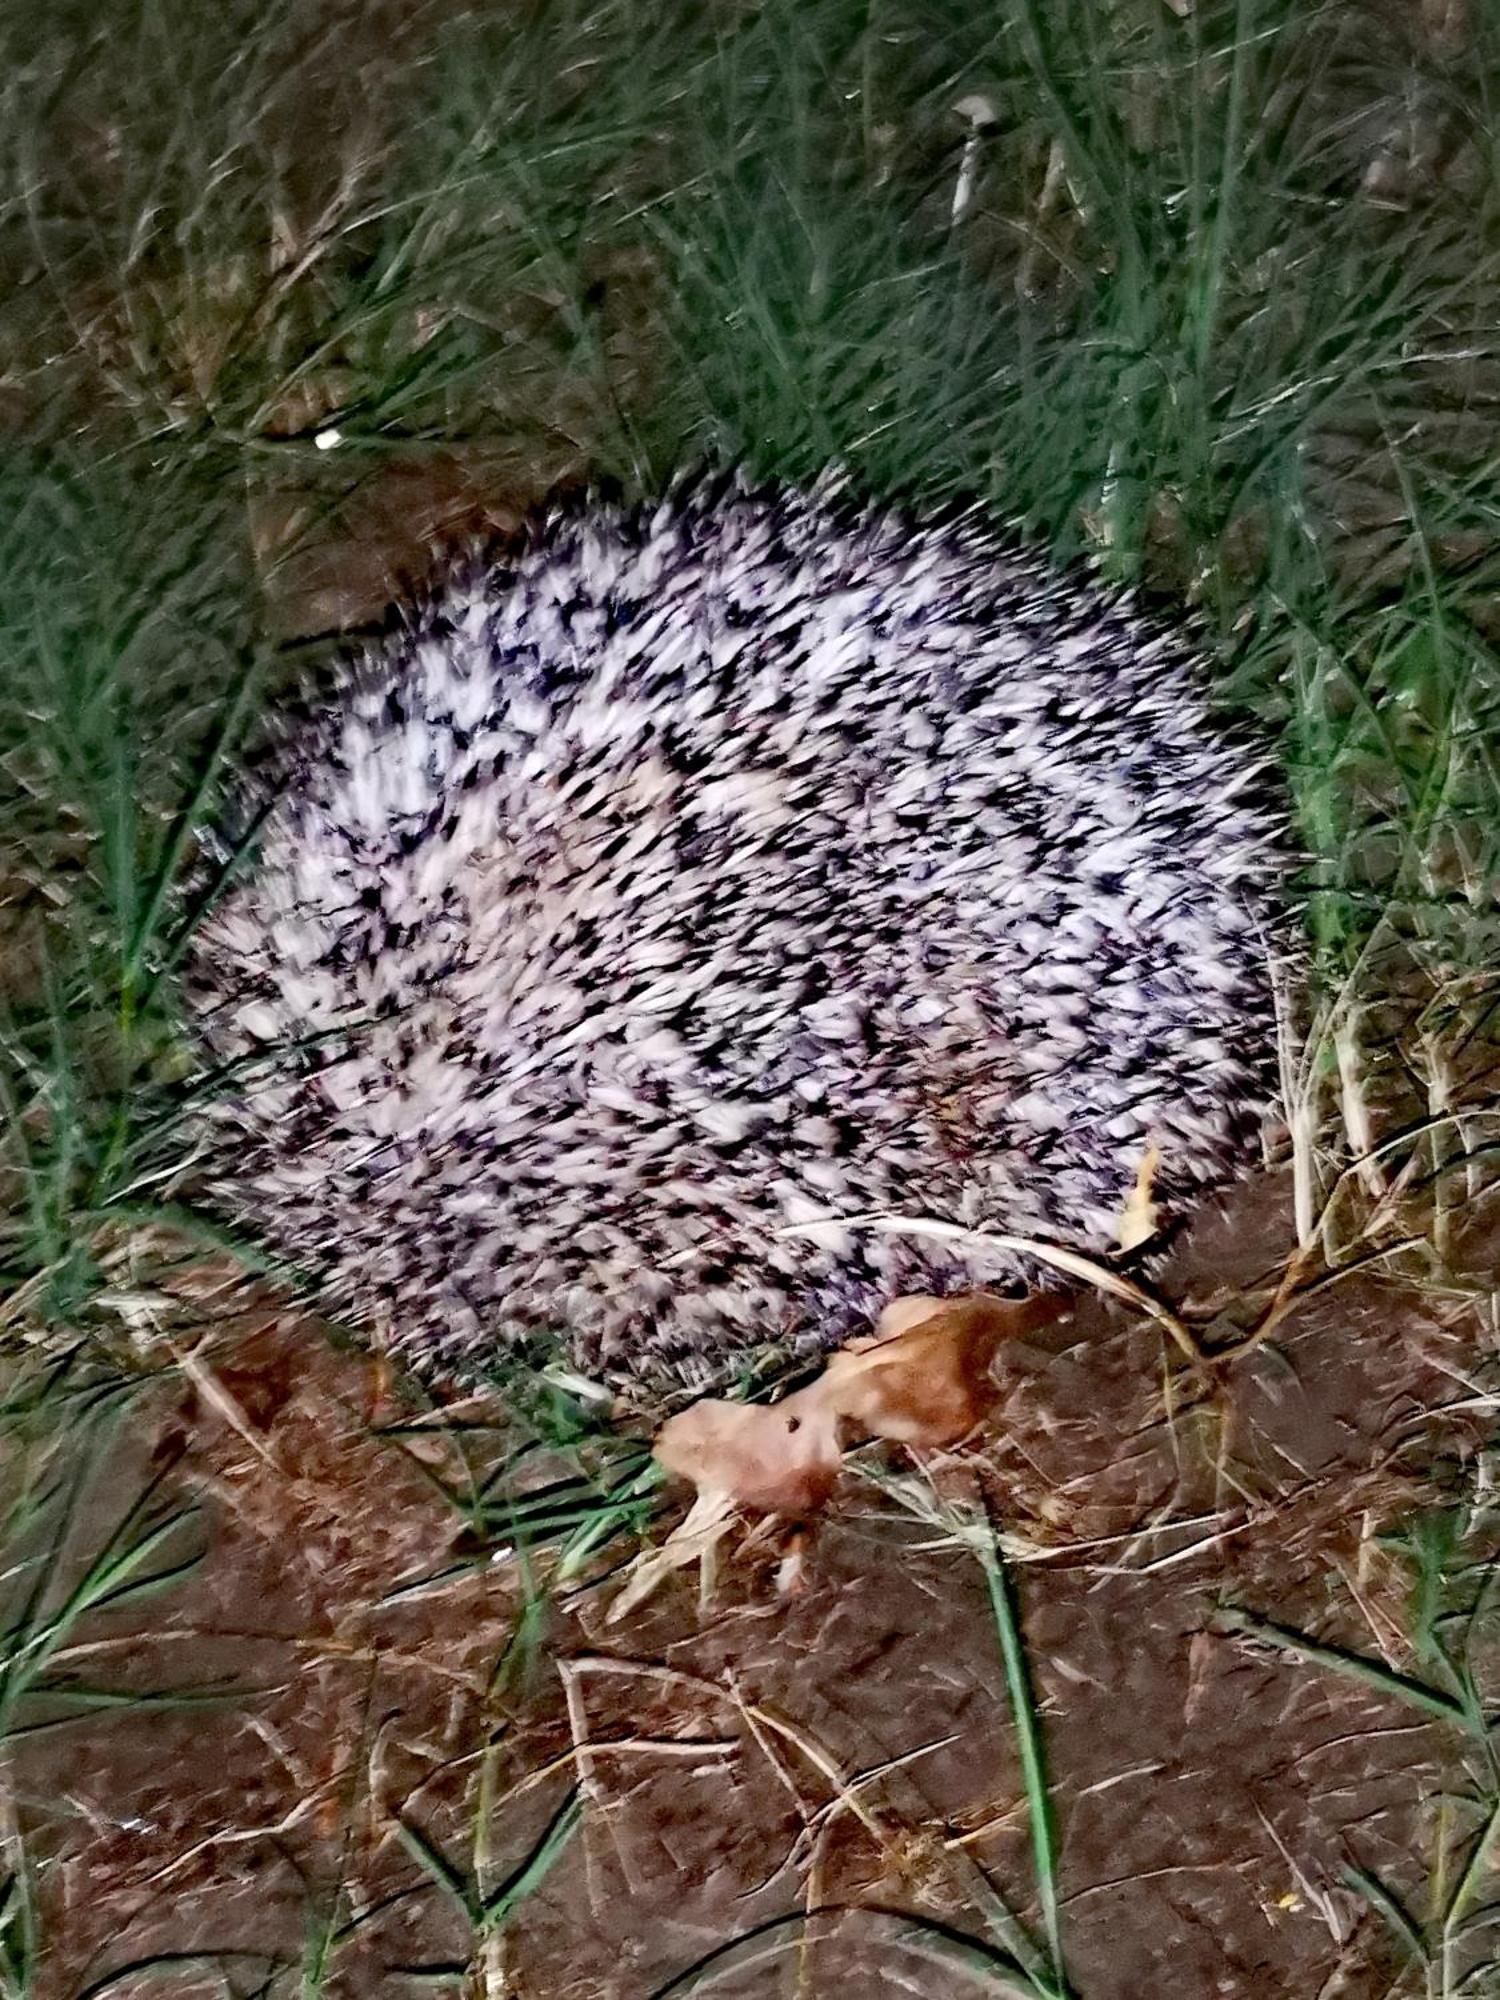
column 664, row 896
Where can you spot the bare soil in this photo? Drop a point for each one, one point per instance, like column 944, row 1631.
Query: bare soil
column 843, row 1751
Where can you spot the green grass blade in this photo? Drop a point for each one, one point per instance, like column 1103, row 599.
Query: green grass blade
column 1027, row 1726
column 1353, row 1666
column 1468, row 1881
column 1387, row 1905
column 990, row 1970
column 161, row 1969
column 431, row 1859
column 502, row 1902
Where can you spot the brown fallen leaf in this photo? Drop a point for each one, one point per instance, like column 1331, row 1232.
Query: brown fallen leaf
column 694, row 1539
column 900, row 1316
column 777, row 1458
column 924, row 1377
column 1138, row 1218
column 791, row 1572
column 781, row 1458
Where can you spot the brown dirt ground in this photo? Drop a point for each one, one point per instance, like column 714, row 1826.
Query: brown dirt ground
column 845, row 1750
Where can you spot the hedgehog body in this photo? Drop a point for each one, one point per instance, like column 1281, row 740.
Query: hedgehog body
column 670, row 922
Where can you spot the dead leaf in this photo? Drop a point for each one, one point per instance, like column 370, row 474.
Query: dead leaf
column 924, row 1377
column 791, row 1572
column 778, row 1458
column 694, row 1539
column 929, row 1382
column 1137, row 1223
column 901, row 1315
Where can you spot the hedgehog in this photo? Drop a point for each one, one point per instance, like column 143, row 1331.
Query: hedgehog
column 704, row 920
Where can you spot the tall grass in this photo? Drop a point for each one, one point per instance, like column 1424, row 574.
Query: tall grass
column 127, row 678
column 1183, row 327
column 1193, row 323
